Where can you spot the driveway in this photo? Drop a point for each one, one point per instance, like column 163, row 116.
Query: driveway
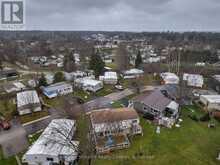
column 37, row 125
column 104, row 102
column 14, row 140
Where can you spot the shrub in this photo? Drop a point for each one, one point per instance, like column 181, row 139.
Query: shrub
column 193, row 117
column 204, row 118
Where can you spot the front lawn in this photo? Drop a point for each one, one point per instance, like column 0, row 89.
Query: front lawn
column 192, row 143
column 108, row 89
column 7, row 108
column 34, row 116
column 7, row 161
column 32, row 138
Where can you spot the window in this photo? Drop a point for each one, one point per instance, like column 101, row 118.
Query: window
column 134, row 121
column 50, row 159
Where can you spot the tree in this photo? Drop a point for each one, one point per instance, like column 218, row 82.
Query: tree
column 42, row 81
column 1, row 64
column 83, row 134
column 122, row 58
column 96, row 64
column 59, row 77
column 138, row 60
column 69, row 63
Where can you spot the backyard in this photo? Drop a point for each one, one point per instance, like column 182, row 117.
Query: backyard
column 192, row 143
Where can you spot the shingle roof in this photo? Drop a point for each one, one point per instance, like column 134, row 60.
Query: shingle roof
column 113, row 115
column 155, row 100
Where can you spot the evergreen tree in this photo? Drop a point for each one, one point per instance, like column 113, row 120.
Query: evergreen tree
column 42, row 81
column 59, row 77
column 96, row 64
column 138, row 60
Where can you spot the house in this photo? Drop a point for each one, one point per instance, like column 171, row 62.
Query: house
column 33, row 83
column 8, row 73
column 169, row 78
column 54, row 90
column 74, row 75
column 132, row 73
column 49, row 78
column 110, row 128
column 88, row 84
column 214, row 83
column 157, row 106
column 193, row 80
column 210, row 102
column 109, row 78
column 28, row 102
column 14, row 87
column 55, row 145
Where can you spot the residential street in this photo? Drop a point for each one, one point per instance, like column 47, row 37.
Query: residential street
column 9, row 139
column 103, row 102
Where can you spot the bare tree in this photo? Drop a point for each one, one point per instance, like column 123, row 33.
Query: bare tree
column 122, row 58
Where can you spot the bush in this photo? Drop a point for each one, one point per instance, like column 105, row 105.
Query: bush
column 193, row 117
column 204, row 118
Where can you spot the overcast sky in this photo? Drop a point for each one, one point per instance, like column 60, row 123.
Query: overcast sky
column 123, row 15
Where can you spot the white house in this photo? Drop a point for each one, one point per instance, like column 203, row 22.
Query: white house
column 88, row 84
column 49, row 78
column 61, row 88
column 74, row 75
column 132, row 73
column 28, row 102
column 194, row 80
column 14, row 87
column 55, row 145
column 211, row 102
column 109, row 78
column 169, row 78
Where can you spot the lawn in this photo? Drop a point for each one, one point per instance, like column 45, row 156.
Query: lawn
column 192, row 143
column 34, row 137
column 7, row 108
column 86, row 96
column 108, row 89
column 34, row 116
column 7, row 161
column 145, row 80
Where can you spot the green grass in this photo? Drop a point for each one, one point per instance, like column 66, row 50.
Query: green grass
column 7, row 161
column 7, row 108
column 112, row 65
column 143, row 81
column 117, row 104
column 108, row 89
column 86, row 96
column 31, row 117
column 34, row 137
column 54, row 102
column 192, row 143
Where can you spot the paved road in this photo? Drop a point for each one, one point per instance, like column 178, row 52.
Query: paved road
column 119, row 95
column 104, row 102
column 101, row 102
column 42, row 124
column 14, row 140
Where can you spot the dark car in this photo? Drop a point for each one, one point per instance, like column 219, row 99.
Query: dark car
column 5, row 125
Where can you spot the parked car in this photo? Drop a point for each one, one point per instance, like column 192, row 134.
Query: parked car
column 119, row 87
column 5, row 125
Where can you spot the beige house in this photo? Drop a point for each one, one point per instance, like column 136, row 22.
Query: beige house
column 110, row 128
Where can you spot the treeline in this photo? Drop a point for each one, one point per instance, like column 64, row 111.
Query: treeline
column 193, row 56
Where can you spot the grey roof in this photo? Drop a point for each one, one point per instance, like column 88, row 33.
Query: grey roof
column 155, row 100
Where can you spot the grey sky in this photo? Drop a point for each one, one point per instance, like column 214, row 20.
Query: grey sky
column 123, row 15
